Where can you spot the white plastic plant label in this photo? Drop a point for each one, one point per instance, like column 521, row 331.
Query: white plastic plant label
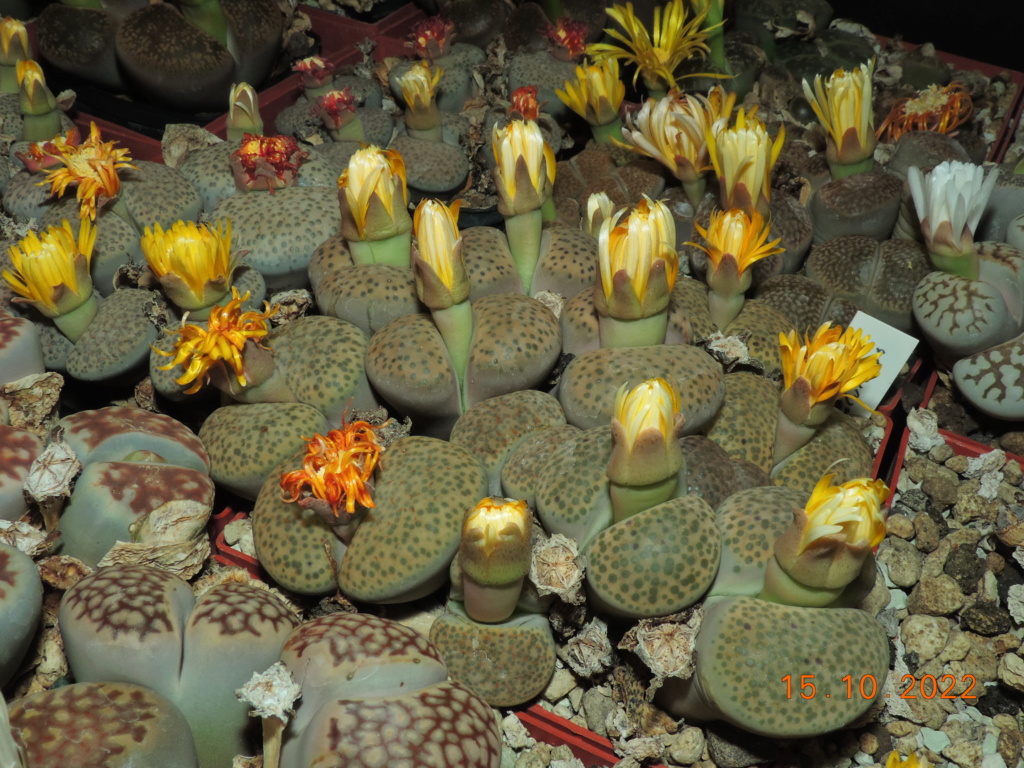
column 895, row 346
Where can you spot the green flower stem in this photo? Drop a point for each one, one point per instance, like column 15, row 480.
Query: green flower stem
column 455, row 324
column 41, row 127
column 716, row 36
column 789, row 438
column 8, row 79
column 552, row 9
column 523, row 231
column 695, row 190
column 780, row 587
column 655, row 91
column 490, row 603
column 395, row 250
column 629, row 500
column 962, row 265
column 842, row 170
column 73, row 323
column 351, row 131
column 642, row 332
column 603, row 134
column 428, row 134
column 724, row 309
column 548, row 212
column 208, row 16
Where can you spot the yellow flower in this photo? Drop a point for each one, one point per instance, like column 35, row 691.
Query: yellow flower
column 638, row 261
column 597, row 92
column 244, row 109
column 35, row 98
column 494, row 556
column 828, row 365
column 743, row 157
column 14, row 44
column 599, row 209
column 441, row 277
column 92, row 166
column 651, row 405
column 843, row 106
column 853, row 509
column 222, row 341
column 192, row 262
column 646, row 423
column 52, row 272
column 896, row 760
column 338, row 468
column 494, row 522
column 419, row 84
column 373, row 195
column 673, row 130
column 738, row 237
column 525, row 166
column 676, row 39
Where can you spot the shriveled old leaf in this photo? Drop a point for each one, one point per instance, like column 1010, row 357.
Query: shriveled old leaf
column 62, row 571
column 173, row 522
column 26, row 537
column 666, row 644
column 32, row 402
column 291, row 305
column 52, row 473
column 589, row 652
column 557, row 568
column 181, row 138
column 183, row 559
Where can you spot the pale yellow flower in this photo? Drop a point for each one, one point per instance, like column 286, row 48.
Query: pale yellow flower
column 853, row 509
column 844, row 108
column 743, row 157
column 525, row 166
column 419, row 84
column 52, row 272
column 440, row 269
column 495, row 520
column 374, row 193
column 651, row 405
column 192, row 262
column 597, row 92
column 14, row 43
column 831, row 363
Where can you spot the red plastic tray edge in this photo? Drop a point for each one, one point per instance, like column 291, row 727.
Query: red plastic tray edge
column 586, row 745
column 224, row 553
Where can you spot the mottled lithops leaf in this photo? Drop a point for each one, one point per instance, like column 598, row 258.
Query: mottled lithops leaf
column 522, row 468
column 21, row 604
column 568, row 262
column 367, row 295
column 144, row 626
column 116, row 342
column 745, row 425
column 322, row 361
column 294, row 545
column 432, row 166
column 114, row 432
column 589, row 383
column 265, row 226
column 993, row 380
column 489, row 262
column 710, row 473
column 516, row 343
column 838, row 440
column 490, row 430
column 689, row 303
column 404, row 545
column 806, row 303
column 110, row 496
column 751, row 521
column 864, row 203
column 747, row 647
column 656, row 562
column 155, row 193
column 408, row 364
column 505, row 664
column 20, row 353
column 445, row 724
column 246, row 441
column 113, row 725
column 578, row 321
column 572, row 488
column 764, row 324
column 18, row 449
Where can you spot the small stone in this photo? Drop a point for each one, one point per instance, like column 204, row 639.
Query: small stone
column 957, row 463
column 915, row 500
column 986, row 619
column 936, row 741
column 902, row 728
column 900, row 525
column 597, row 704
column 957, row 648
column 995, row 562
column 928, row 533
column 935, row 561
column 903, row 561
column 1012, row 472
column 1013, row 442
column 938, row 596
column 561, row 683
column 993, row 761
column 730, row 747
column 1007, row 643
column 925, row 635
column 1011, row 741
column 868, row 743
column 940, row 453
column 964, row 754
column 1011, row 671
column 971, row 506
column 878, row 597
column 997, row 701
column 686, row 747
column 941, row 489
column 1010, row 526
column 965, row 567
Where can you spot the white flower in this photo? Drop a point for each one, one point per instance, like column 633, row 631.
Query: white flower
column 950, row 201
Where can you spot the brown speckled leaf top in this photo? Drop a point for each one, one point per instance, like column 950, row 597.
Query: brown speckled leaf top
column 113, row 432
column 151, row 485
column 236, row 609
column 18, row 449
column 354, row 638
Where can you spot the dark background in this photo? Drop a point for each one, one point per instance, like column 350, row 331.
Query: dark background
column 991, row 31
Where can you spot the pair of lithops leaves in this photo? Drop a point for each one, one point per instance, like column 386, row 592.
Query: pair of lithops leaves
column 160, row 52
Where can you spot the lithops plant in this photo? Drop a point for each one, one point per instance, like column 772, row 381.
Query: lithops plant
column 752, row 657
column 456, row 60
column 18, row 449
column 20, row 351
column 863, row 204
column 878, row 277
column 377, row 693
column 843, row 105
column 988, row 379
column 21, row 605
column 113, row 724
column 141, row 625
column 805, row 302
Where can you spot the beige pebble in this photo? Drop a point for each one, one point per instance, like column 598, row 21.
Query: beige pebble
column 900, row 525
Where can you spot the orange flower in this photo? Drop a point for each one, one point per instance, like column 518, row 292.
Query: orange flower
column 92, row 166
column 42, row 155
column 222, row 341
column 267, row 162
column 737, row 234
column 314, row 71
column 524, row 102
column 932, row 109
column 337, row 468
column 568, row 38
column 432, row 38
column 831, row 363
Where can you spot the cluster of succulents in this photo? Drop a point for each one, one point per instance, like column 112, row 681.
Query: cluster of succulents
column 630, row 363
